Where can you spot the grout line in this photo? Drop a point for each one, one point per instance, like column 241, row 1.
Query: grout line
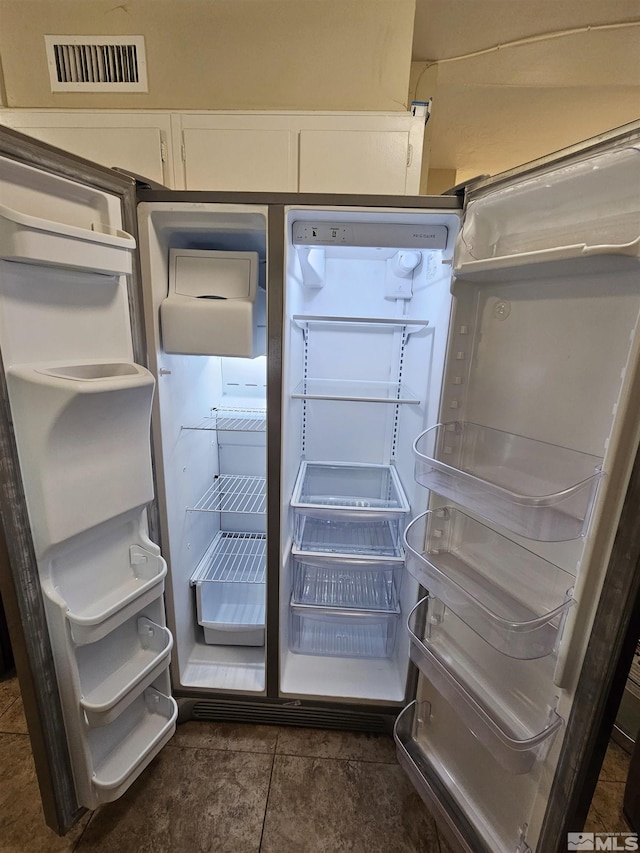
column 266, row 805
column 76, row 846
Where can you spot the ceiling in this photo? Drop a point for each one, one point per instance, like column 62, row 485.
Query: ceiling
column 507, row 106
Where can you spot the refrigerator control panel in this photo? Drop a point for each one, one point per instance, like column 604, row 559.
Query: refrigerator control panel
column 373, row 234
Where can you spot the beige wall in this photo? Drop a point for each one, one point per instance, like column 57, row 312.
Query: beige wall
column 224, row 54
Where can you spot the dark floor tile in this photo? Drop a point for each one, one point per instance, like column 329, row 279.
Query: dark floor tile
column 615, row 766
column 22, row 826
column 328, row 806
column 594, row 823
column 13, row 720
column 9, row 692
column 187, row 801
column 226, row 736
column 320, row 743
column 607, row 804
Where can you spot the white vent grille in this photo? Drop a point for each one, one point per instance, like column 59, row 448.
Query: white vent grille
column 97, row 63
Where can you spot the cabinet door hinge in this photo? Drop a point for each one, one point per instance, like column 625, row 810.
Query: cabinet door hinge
column 163, row 152
column 409, row 154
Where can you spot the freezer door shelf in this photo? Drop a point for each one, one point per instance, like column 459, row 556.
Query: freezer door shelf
column 121, row 750
column 533, row 488
column 110, row 685
column 231, row 591
column 32, row 240
column 517, row 729
column 342, row 633
column 511, row 597
column 345, row 582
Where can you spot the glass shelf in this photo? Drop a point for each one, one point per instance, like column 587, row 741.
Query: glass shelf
column 379, row 539
column 511, row 597
column 408, row 325
column 516, row 728
column 349, row 492
column 343, row 582
column 233, row 420
column 354, row 390
column 535, row 489
column 234, row 493
column 341, row 633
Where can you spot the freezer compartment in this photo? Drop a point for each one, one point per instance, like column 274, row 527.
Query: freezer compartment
column 482, row 810
column 533, row 488
column 230, row 589
column 342, row 633
column 113, row 670
column 498, row 699
column 340, row 491
column 509, row 596
column 121, row 750
column 379, row 539
column 30, row 239
column 344, row 582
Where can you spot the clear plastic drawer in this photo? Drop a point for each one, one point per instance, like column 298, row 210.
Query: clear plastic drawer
column 510, row 596
column 342, row 633
column 535, row 489
column 343, row 582
column 379, row 539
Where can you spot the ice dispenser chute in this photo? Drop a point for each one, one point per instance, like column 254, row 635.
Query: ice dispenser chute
column 215, row 305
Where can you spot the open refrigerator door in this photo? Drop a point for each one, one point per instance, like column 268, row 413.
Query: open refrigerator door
column 526, row 472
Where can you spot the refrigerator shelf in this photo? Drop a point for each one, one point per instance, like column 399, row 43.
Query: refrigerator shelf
column 509, row 596
column 345, row 583
column 233, row 420
column 407, row 325
column 379, row 539
column 348, row 492
column 354, row 390
column 230, row 589
column 235, row 493
column 533, row 488
column 93, row 618
column 342, row 633
column 108, row 690
column 518, row 733
column 30, row 239
column 135, row 738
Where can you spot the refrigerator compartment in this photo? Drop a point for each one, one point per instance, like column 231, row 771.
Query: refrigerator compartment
column 115, row 670
column 93, row 614
column 234, row 420
column 30, row 239
column 230, row 589
column 379, row 539
column 83, row 438
column 535, row 489
column 511, row 597
column 349, row 492
column 516, row 733
column 121, row 750
column 345, row 582
column 342, row 633
column 235, row 493
column 361, row 391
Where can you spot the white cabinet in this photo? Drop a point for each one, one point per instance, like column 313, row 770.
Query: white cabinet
column 339, row 152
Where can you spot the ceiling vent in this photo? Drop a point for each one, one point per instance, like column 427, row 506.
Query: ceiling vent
column 97, row 63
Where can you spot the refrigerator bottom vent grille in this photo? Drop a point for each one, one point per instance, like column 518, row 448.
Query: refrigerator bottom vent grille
column 280, row 715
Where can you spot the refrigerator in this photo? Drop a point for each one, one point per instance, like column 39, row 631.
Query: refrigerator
column 342, row 461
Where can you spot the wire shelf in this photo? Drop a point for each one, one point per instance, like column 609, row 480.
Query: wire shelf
column 234, row 420
column 233, row 558
column 234, row 493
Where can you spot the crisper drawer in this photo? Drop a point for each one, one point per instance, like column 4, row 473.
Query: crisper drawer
column 342, row 633
column 345, row 582
column 377, row 539
column 510, row 596
column 508, row 704
column 533, row 488
column 349, row 492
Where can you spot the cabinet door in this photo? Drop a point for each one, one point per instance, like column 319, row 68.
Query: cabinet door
column 354, row 161
column 137, row 143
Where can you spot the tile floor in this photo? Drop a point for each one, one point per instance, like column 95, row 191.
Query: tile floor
column 222, row 788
